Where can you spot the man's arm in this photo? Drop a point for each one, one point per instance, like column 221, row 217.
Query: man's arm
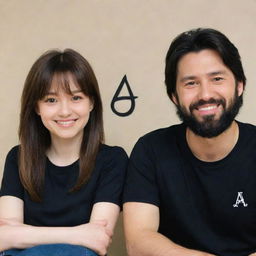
column 141, row 222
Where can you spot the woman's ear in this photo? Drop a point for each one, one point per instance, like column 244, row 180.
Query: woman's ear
column 37, row 109
column 91, row 105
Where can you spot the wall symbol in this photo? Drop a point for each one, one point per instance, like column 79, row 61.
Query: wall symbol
column 117, row 97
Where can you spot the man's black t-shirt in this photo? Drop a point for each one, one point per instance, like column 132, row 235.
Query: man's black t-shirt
column 207, row 206
column 60, row 207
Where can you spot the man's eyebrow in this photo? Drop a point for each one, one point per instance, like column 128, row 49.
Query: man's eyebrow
column 213, row 73
column 186, row 78
column 218, row 72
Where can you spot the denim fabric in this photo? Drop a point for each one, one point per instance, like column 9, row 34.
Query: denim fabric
column 51, row 250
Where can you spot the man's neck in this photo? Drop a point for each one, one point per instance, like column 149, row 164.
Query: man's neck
column 213, row 149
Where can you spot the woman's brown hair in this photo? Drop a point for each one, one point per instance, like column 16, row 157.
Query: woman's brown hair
column 35, row 138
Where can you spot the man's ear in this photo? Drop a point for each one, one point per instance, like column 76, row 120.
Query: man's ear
column 240, row 88
column 174, row 98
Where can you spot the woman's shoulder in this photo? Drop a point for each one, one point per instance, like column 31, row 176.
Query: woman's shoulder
column 112, row 151
column 13, row 152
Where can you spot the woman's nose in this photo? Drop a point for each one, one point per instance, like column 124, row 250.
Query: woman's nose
column 65, row 109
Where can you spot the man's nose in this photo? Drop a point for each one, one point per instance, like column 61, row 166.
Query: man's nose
column 205, row 91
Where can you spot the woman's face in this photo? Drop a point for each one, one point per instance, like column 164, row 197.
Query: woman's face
column 65, row 115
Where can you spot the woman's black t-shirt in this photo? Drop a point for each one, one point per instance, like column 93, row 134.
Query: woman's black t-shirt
column 60, row 207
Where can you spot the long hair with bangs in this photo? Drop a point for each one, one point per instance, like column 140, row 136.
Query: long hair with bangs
column 35, row 138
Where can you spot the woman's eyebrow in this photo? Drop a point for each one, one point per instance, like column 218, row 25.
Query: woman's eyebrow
column 56, row 93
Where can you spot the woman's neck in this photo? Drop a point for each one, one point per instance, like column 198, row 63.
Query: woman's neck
column 64, row 152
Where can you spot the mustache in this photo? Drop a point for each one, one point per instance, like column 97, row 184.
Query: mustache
column 204, row 102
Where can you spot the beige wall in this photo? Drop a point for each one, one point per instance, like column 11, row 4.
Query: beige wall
column 118, row 37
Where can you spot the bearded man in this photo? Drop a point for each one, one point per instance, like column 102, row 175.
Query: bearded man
column 191, row 187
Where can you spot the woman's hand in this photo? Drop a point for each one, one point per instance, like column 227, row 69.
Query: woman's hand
column 94, row 235
column 11, row 222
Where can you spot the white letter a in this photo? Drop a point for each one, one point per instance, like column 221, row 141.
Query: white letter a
column 240, row 200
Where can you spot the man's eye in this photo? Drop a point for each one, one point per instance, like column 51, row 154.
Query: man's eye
column 190, row 83
column 51, row 100
column 217, row 79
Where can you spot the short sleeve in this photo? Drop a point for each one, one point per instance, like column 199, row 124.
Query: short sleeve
column 11, row 185
column 141, row 184
column 112, row 176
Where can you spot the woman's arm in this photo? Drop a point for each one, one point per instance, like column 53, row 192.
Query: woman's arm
column 105, row 211
column 95, row 235
column 11, row 214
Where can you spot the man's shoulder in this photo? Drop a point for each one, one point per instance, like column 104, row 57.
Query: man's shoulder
column 163, row 136
column 166, row 131
column 247, row 128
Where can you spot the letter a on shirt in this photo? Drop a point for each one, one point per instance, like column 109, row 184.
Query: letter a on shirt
column 240, row 200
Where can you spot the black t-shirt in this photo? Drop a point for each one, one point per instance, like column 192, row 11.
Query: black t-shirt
column 60, row 207
column 208, row 206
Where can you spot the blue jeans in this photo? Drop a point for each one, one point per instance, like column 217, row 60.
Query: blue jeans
column 51, row 250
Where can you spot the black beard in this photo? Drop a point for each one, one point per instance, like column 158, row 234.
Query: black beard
column 209, row 127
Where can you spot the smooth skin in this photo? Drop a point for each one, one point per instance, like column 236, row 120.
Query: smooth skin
column 201, row 75
column 65, row 116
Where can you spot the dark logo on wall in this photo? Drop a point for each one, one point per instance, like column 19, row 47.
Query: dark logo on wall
column 119, row 96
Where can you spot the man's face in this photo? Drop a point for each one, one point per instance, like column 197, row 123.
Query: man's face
column 207, row 95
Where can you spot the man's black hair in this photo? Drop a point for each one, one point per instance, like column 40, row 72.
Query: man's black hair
column 194, row 41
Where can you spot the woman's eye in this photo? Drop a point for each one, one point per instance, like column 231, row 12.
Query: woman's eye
column 51, row 100
column 76, row 98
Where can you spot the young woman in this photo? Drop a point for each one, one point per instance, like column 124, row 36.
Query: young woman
column 61, row 187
